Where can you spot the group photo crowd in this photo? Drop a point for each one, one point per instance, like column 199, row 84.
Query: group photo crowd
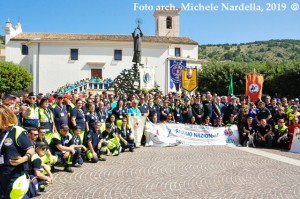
column 41, row 133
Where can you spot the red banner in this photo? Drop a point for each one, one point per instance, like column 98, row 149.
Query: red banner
column 254, row 85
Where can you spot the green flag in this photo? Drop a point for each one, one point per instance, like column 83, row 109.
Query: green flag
column 230, row 89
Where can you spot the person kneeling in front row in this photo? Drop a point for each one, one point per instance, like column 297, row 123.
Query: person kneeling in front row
column 112, row 140
column 264, row 137
column 96, row 144
column 38, row 168
column 126, row 136
column 62, row 147
column 78, row 146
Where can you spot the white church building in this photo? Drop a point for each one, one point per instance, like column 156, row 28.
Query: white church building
column 55, row 59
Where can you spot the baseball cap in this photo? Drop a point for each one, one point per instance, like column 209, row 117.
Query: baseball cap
column 41, row 145
column 107, row 125
column 296, row 99
column 67, row 96
column 65, row 127
column 50, row 98
column 31, row 94
column 77, row 127
column 9, row 96
column 40, row 95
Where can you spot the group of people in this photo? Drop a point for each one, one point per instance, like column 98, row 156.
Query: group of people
column 69, row 129
column 37, row 134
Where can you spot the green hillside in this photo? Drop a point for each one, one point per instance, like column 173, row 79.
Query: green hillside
column 263, row 51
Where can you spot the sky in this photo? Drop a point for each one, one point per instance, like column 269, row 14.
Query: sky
column 216, row 24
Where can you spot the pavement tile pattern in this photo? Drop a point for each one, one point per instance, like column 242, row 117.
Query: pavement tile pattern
column 181, row 172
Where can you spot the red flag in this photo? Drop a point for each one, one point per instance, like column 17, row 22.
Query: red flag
column 254, row 85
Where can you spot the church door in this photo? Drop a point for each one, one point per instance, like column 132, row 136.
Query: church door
column 96, row 73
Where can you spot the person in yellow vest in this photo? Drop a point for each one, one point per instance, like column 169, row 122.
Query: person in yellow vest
column 111, row 138
column 15, row 152
column 38, row 168
column 31, row 114
column 289, row 106
column 293, row 114
column 96, row 145
column 62, row 146
column 46, row 119
column 48, row 158
column 281, row 134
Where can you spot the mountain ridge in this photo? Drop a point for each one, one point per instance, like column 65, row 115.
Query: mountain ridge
column 262, row 51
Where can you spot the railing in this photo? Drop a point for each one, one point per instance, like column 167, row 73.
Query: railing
column 83, row 86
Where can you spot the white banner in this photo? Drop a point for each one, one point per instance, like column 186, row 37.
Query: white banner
column 147, row 78
column 174, row 134
column 137, row 124
column 295, row 148
column 158, row 135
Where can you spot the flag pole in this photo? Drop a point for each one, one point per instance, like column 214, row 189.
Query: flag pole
column 230, row 88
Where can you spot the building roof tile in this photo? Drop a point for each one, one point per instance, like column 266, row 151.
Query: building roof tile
column 26, row 36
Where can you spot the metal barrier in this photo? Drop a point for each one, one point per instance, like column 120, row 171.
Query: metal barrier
column 84, row 86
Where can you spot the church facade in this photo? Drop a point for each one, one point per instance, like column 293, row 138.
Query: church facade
column 55, row 59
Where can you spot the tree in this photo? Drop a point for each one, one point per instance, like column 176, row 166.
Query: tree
column 13, row 78
column 279, row 79
column 2, row 39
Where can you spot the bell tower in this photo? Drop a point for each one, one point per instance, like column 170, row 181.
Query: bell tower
column 167, row 22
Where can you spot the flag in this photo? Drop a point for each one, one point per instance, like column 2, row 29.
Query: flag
column 147, row 78
column 137, row 124
column 230, row 89
column 175, row 72
column 254, row 85
column 189, row 79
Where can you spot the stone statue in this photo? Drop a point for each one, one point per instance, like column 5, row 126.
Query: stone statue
column 129, row 79
column 137, row 41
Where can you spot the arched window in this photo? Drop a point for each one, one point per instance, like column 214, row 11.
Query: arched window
column 169, row 22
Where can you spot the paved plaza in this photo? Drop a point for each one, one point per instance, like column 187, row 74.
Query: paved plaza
column 184, row 172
